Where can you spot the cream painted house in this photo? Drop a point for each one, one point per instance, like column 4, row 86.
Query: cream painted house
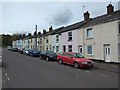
column 99, row 38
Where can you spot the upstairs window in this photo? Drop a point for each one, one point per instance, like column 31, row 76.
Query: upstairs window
column 89, row 33
column 69, row 36
column 57, row 38
column 31, row 40
column 40, row 40
column 46, row 40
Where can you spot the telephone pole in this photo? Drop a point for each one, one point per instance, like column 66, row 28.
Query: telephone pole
column 36, row 38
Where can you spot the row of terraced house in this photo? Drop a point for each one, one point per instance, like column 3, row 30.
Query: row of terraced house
column 95, row 38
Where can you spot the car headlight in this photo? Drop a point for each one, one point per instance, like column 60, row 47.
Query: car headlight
column 84, row 62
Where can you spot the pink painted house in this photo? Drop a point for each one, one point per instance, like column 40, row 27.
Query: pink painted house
column 68, row 37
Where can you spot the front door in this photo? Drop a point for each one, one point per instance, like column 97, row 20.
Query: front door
column 80, row 49
column 107, row 53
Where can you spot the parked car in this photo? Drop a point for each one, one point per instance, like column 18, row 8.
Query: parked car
column 48, row 55
column 26, row 51
column 20, row 50
column 9, row 47
column 75, row 59
column 34, row 53
column 14, row 49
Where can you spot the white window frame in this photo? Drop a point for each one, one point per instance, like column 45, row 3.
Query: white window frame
column 69, row 48
column 91, row 33
column 57, row 38
column 69, row 36
column 87, row 50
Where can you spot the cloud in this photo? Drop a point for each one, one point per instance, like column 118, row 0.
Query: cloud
column 61, row 17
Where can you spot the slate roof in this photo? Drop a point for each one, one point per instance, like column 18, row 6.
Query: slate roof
column 52, row 32
column 71, row 27
column 94, row 21
column 103, row 19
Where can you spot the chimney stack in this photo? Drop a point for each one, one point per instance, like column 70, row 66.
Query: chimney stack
column 50, row 29
column 44, row 31
column 86, row 16
column 39, row 33
column 110, row 9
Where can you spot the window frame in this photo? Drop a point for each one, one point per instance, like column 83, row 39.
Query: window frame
column 70, row 36
column 89, row 33
column 57, row 38
column 69, row 50
column 57, row 48
column 88, row 51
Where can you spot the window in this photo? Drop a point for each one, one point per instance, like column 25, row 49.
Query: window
column 64, row 48
column 90, row 50
column 28, row 41
column 69, row 36
column 89, row 33
column 119, row 49
column 57, row 38
column 57, row 48
column 119, row 28
column 70, row 48
column 64, row 54
column 46, row 40
column 69, row 55
column 47, row 47
column 40, row 40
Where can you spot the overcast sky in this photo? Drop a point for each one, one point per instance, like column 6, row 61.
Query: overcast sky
column 21, row 17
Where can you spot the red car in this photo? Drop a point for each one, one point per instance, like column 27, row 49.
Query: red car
column 75, row 59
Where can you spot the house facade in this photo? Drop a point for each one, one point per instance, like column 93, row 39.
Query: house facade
column 95, row 38
column 100, row 37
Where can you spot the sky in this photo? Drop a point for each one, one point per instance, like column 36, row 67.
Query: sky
column 22, row 16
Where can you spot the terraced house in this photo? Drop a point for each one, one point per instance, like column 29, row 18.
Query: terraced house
column 95, row 38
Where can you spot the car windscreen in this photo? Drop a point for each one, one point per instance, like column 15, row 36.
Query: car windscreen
column 51, row 53
column 77, row 55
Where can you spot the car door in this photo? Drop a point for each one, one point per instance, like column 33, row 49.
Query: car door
column 63, row 57
column 69, row 59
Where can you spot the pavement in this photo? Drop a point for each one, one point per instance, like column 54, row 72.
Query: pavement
column 112, row 67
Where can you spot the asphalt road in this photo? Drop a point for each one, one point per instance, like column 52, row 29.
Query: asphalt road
column 22, row 71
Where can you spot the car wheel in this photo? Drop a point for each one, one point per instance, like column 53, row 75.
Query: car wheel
column 47, row 58
column 76, row 65
column 60, row 61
